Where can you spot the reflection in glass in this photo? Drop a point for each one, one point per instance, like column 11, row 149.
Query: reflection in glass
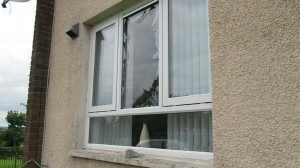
column 188, row 48
column 140, row 59
column 104, row 66
column 176, row 131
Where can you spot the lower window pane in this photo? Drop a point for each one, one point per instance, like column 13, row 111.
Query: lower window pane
column 178, row 131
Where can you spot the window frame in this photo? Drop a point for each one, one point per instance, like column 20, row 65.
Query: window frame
column 165, row 106
column 167, row 101
column 121, row 16
column 94, row 31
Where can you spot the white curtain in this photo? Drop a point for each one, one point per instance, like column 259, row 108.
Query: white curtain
column 190, row 131
column 188, row 48
column 111, row 130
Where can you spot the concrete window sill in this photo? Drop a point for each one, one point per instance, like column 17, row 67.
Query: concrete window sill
column 143, row 160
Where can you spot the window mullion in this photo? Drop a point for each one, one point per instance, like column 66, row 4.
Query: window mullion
column 160, row 64
column 164, row 43
column 119, row 62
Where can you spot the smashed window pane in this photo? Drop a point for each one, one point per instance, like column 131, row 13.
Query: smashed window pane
column 140, row 59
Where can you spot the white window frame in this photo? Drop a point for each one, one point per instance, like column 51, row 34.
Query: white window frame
column 196, row 103
column 167, row 101
column 96, row 29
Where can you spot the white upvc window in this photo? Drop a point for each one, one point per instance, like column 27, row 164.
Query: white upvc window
column 103, row 67
column 186, row 69
column 149, row 81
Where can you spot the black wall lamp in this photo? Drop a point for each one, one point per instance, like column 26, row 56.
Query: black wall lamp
column 74, row 31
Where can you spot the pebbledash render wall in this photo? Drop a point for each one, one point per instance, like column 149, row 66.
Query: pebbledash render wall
column 255, row 70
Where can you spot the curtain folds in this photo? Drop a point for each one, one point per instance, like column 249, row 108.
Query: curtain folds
column 190, row 131
column 188, row 48
column 111, row 130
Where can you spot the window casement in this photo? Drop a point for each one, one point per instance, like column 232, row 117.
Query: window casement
column 149, row 80
column 103, row 67
column 186, row 52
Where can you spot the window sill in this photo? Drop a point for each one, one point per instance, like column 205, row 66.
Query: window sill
column 144, row 160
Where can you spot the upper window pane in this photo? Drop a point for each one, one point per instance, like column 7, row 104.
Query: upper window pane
column 188, row 48
column 104, row 66
column 140, row 59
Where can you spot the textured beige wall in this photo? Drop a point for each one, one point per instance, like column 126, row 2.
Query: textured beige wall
column 255, row 48
column 67, row 85
column 255, row 60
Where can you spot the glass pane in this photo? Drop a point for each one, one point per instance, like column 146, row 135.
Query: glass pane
column 104, row 66
column 188, row 48
column 111, row 130
column 140, row 59
column 178, row 131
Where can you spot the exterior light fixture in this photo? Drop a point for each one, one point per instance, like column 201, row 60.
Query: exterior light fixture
column 74, row 31
column 6, row 1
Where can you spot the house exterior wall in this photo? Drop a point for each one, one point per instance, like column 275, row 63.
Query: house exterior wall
column 255, row 59
column 255, row 82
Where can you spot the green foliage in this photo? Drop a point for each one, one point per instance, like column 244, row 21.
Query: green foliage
column 4, row 138
column 10, row 151
column 14, row 135
column 15, row 119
